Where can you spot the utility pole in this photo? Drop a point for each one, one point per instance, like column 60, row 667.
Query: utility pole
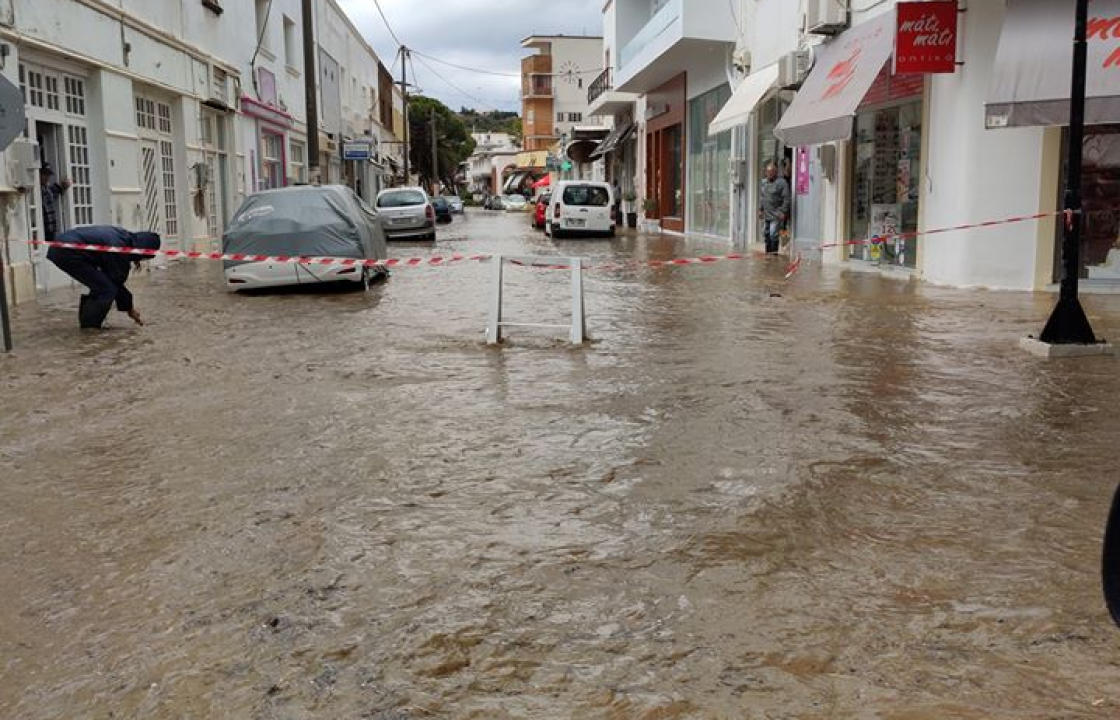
column 435, row 156
column 310, row 89
column 1067, row 324
column 404, row 94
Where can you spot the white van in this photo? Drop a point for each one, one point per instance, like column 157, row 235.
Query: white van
column 580, row 207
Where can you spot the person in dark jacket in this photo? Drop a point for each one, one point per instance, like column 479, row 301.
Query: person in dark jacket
column 51, row 191
column 104, row 273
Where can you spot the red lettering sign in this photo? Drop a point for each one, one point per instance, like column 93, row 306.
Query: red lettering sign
column 926, row 41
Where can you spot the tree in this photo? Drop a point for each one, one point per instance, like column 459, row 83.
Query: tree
column 513, row 127
column 453, row 140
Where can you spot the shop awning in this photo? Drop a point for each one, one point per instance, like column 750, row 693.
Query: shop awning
column 579, row 151
column 613, row 140
column 1031, row 78
column 543, row 182
column 744, row 100
column 532, row 159
column 844, row 71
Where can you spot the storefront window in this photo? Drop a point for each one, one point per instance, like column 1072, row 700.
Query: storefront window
column 1100, row 197
column 272, row 161
column 298, row 162
column 709, row 205
column 886, row 183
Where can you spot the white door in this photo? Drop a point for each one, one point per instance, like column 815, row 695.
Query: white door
column 56, row 112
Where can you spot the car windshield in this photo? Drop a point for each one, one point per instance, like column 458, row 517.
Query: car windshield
column 401, row 198
column 586, row 195
column 439, row 201
column 515, row 198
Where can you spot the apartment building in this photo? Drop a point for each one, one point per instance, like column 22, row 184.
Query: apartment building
column 554, row 82
column 164, row 114
column 666, row 67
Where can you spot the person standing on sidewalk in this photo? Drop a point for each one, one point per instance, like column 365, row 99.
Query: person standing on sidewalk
column 104, row 273
column 773, row 206
column 51, row 192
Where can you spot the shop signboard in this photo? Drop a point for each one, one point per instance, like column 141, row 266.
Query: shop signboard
column 801, row 180
column 356, row 150
column 926, row 38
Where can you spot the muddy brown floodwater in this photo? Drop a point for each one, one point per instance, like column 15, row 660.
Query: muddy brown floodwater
column 855, row 498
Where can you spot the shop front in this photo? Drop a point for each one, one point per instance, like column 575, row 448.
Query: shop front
column 884, row 183
column 270, row 157
column 665, row 154
column 1030, row 87
column 709, row 157
column 853, row 95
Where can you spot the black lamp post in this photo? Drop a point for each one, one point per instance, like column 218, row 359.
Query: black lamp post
column 1067, row 324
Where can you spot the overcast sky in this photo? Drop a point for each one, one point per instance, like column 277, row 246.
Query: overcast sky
column 483, row 34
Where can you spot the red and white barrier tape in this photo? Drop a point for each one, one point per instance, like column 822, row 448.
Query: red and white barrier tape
column 439, row 260
column 282, row 259
column 938, row 231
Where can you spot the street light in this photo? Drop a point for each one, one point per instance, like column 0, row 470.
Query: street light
column 1068, row 324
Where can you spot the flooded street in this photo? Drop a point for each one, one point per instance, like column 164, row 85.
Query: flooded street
column 841, row 496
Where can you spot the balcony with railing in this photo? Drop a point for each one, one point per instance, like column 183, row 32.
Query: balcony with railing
column 654, row 51
column 536, row 65
column 536, row 86
column 599, row 86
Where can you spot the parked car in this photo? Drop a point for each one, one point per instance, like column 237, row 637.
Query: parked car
column 494, row 202
column 514, row 203
column 579, row 207
column 540, row 211
column 455, row 202
column 406, row 213
column 303, row 221
column 442, row 208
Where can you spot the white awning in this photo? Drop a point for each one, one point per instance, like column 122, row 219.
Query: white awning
column 844, row 71
column 742, row 103
column 1034, row 65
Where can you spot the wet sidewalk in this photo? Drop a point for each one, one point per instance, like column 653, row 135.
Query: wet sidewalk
column 841, row 496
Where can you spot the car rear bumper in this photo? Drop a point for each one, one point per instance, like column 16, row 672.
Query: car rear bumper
column 255, row 275
column 396, row 233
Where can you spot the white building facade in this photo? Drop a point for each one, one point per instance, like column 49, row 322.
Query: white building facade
column 909, row 152
column 494, row 156
column 164, row 115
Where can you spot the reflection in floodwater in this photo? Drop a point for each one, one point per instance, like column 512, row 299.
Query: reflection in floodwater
column 855, row 499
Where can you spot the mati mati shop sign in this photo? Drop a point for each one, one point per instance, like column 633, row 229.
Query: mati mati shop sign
column 926, row 38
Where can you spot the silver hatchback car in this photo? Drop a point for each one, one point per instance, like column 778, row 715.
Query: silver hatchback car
column 406, row 213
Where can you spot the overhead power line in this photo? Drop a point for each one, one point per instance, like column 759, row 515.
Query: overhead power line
column 482, row 71
column 455, row 87
column 387, row 25
column 464, row 67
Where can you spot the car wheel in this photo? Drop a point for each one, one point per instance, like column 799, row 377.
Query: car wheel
column 612, row 232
